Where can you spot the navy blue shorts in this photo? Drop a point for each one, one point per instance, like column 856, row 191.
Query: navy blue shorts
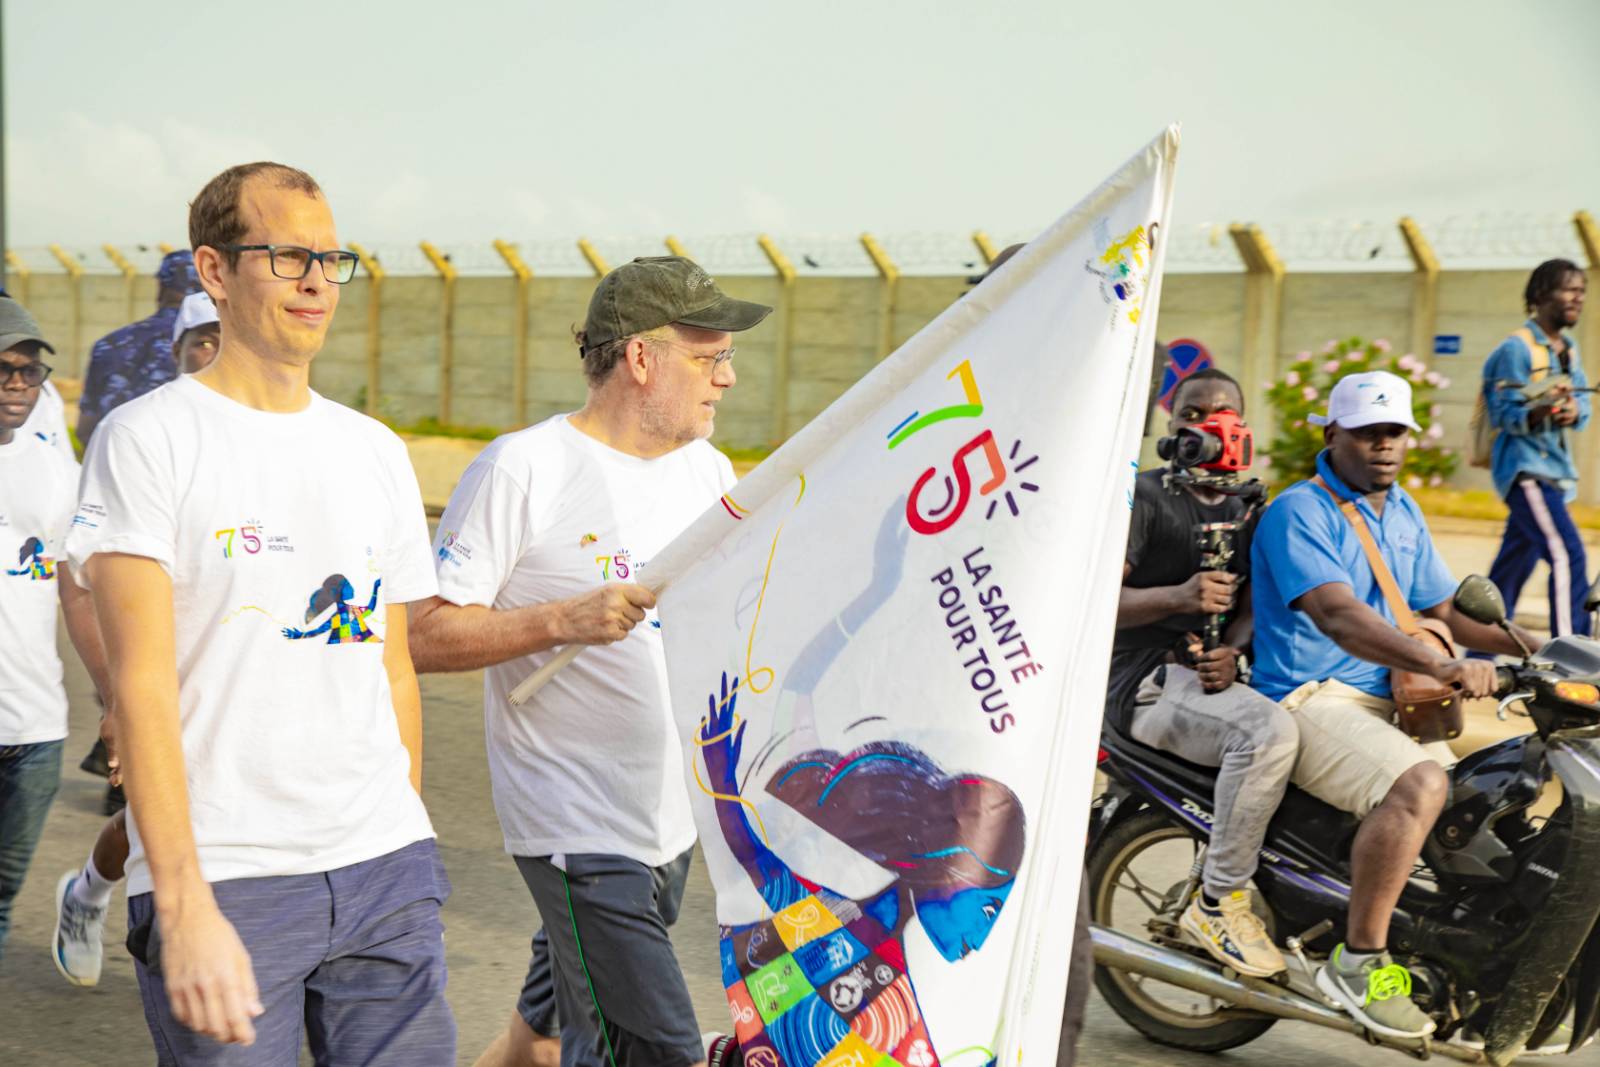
column 353, row 958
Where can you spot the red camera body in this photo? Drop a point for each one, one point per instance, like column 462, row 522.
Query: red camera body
column 1238, row 443
column 1222, row 444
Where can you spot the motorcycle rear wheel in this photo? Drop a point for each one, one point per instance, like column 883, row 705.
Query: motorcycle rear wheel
column 1110, row 863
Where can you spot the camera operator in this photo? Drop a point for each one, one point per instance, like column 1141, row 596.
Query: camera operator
column 1171, row 692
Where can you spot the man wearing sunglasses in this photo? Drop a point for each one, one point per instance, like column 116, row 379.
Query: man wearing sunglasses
column 133, row 360
column 282, row 877
column 540, row 547
column 38, row 492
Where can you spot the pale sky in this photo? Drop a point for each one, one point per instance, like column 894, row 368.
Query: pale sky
column 535, row 121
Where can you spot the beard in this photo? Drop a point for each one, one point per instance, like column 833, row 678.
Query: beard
column 666, row 421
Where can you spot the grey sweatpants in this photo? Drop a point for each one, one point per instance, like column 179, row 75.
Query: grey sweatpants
column 1248, row 737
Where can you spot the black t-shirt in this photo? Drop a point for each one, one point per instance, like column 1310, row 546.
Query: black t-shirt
column 1163, row 550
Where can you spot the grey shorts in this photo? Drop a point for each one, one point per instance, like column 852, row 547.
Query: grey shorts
column 351, row 960
column 610, row 952
column 537, row 1002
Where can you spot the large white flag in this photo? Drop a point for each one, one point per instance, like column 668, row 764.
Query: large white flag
column 888, row 651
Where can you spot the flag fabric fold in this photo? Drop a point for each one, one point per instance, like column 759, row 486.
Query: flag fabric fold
column 888, row 650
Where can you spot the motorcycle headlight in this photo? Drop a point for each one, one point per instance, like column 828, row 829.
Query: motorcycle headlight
column 1578, row 692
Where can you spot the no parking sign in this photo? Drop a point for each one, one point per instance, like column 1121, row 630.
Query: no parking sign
column 1184, row 357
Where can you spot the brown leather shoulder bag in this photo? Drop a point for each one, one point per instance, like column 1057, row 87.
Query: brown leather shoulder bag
column 1426, row 708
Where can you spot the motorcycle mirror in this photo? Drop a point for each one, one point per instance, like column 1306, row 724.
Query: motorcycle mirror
column 1478, row 599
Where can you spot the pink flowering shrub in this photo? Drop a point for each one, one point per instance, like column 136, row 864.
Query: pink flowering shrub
column 1304, row 390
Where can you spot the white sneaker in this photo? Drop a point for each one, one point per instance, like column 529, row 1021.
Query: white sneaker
column 80, row 930
column 1233, row 934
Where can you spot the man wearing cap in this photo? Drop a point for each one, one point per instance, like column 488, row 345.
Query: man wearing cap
column 540, row 547
column 130, row 362
column 1325, row 641
column 197, row 333
column 38, row 492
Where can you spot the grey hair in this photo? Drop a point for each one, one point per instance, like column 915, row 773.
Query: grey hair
column 602, row 359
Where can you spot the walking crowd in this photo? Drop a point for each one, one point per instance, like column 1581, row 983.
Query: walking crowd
column 245, row 569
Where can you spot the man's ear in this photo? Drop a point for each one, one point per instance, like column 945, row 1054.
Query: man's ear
column 637, row 357
column 210, row 268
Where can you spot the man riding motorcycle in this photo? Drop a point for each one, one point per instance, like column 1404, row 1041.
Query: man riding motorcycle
column 1325, row 641
column 1171, row 692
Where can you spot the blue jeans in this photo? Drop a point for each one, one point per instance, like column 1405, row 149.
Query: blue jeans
column 29, row 776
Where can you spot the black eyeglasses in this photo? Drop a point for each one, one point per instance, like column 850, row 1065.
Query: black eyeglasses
column 33, row 374
column 293, row 262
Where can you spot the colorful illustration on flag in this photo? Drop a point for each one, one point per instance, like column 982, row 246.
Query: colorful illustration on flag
column 888, row 649
column 1184, row 357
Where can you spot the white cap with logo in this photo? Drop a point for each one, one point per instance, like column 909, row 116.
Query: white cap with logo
column 1366, row 399
column 196, row 310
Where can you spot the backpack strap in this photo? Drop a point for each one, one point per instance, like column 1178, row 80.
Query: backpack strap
column 1404, row 618
column 1540, row 355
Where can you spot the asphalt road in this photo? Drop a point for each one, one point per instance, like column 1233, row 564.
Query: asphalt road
column 489, row 919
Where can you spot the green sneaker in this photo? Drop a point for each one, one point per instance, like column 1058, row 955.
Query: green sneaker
column 1377, row 992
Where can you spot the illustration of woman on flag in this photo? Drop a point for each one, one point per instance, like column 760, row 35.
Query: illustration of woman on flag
column 826, row 975
column 348, row 622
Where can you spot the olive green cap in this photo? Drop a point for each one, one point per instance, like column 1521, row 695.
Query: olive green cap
column 653, row 291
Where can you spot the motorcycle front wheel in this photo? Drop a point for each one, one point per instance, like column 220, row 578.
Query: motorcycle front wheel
column 1138, row 874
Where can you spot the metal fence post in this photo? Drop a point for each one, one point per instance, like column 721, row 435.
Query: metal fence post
column 375, row 276
column 130, row 277
column 447, row 327
column 986, row 247
column 74, row 271
column 19, row 274
column 519, row 369
column 891, row 282
column 1263, row 318
column 780, row 371
column 597, row 262
column 1424, row 289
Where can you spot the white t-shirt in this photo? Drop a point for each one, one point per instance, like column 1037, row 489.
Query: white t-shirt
column 592, row 763
column 268, row 522
column 48, row 421
column 38, row 491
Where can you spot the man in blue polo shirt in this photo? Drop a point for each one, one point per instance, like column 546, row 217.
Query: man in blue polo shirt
column 1325, row 642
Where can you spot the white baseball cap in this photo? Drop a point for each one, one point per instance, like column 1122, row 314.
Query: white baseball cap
column 1366, row 399
column 196, row 310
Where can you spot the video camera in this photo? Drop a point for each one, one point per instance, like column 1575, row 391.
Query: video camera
column 1222, row 443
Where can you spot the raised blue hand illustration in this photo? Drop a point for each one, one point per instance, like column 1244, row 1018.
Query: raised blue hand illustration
column 347, row 624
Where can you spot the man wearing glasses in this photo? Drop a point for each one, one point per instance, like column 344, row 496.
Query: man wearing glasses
column 282, row 877
column 540, row 547
column 38, row 491
column 137, row 358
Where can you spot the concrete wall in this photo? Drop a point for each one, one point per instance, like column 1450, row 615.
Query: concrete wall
column 837, row 330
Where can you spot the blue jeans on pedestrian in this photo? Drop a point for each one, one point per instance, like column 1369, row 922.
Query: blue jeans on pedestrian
column 29, row 777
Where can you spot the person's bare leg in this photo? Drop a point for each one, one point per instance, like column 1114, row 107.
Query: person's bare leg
column 519, row 1046
column 1386, row 847
column 111, row 847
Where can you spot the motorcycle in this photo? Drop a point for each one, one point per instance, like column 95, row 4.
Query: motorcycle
column 1497, row 923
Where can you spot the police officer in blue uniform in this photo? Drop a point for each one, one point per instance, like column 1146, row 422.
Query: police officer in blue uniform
column 130, row 362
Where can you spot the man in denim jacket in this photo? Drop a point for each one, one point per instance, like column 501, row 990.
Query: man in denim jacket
column 1533, row 465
